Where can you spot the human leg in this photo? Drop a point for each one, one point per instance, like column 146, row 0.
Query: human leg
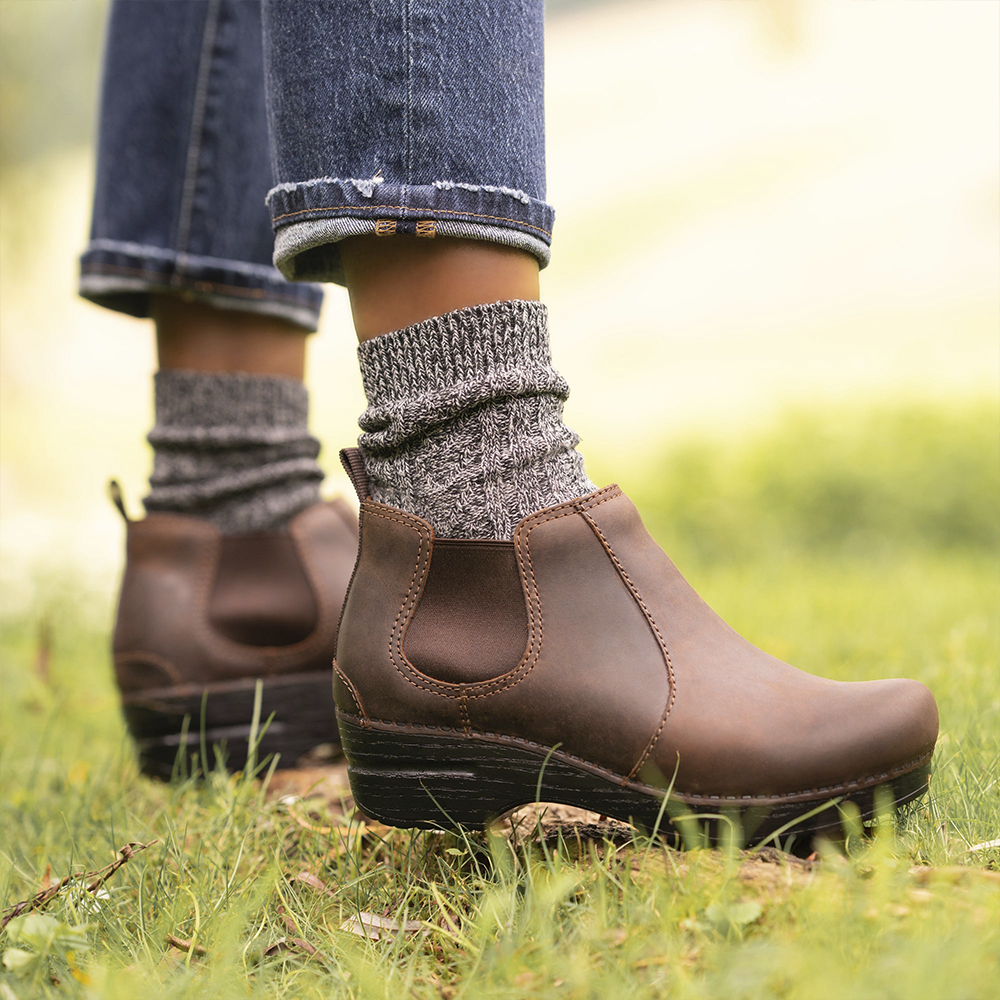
column 397, row 283
column 422, row 182
column 558, row 652
column 401, row 118
column 197, row 336
column 238, row 573
column 180, row 233
column 182, row 165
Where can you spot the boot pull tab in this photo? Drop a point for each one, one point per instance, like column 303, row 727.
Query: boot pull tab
column 354, row 466
column 115, row 492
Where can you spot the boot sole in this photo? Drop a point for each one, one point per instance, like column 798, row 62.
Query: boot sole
column 427, row 778
column 171, row 725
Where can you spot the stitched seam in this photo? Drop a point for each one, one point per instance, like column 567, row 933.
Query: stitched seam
column 395, row 635
column 352, row 689
column 174, row 280
column 408, row 110
column 266, row 658
column 401, row 664
column 534, row 598
column 397, row 656
column 197, row 124
column 536, row 620
column 407, row 208
column 183, row 260
column 520, row 741
column 480, row 689
column 671, row 698
column 419, row 570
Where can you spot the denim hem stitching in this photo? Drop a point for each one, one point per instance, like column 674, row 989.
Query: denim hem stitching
column 159, row 279
column 407, row 208
column 408, row 110
column 183, row 260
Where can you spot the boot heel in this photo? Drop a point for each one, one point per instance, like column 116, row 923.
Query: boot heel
column 421, row 779
column 167, row 724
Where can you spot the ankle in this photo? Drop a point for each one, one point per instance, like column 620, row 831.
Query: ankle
column 398, row 281
column 192, row 336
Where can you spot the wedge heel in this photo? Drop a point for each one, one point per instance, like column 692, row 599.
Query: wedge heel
column 176, row 721
column 416, row 777
column 409, row 776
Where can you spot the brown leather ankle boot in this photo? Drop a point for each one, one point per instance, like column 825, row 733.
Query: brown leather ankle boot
column 575, row 664
column 203, row 616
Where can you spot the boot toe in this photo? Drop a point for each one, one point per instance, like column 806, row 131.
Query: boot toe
column 909, row 718
column 820, row 739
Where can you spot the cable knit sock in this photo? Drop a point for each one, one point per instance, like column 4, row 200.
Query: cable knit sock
column 234, row 449
column 464, row 421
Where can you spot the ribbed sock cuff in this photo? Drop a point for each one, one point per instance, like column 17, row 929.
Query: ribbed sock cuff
column 227, row 406
column 464, row 424
column 428, row 374
column 232, row 448
column 457, row 347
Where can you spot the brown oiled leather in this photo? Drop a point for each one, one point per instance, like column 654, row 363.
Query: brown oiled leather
column 164, row 634
column 470, row 624
column 624, row 667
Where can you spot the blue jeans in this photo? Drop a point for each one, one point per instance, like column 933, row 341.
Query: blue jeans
column 239, row 142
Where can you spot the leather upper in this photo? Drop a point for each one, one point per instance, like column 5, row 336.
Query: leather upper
column 614, row 659
column 197, row 607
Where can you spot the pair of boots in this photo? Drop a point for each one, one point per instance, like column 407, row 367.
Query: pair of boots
column 572, row 663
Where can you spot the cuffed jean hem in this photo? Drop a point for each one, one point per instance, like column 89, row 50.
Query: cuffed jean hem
column 122, row 276
column 307, row 251
column 310, row 217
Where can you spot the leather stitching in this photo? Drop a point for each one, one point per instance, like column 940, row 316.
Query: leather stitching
column 395, row 645
column 267, row 659
column 479, row 689
column 353, row 692
column 672, row 696
column 419, row 571
column 846, row 786
column 411, row 598
column 534, row 598
column 397, row 656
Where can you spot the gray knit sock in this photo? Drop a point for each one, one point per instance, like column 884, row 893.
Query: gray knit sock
column 464, row 421
column 234, row 449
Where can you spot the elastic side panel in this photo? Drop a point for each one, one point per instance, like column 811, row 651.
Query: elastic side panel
column 471, row 623
column 261, row 595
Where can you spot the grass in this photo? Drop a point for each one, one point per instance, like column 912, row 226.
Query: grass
column 856, row 545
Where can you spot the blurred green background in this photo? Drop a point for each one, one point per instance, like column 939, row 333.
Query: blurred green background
column 775, row 285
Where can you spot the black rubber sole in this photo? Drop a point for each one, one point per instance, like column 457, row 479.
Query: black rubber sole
column 170, row 726
column 408, row 776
